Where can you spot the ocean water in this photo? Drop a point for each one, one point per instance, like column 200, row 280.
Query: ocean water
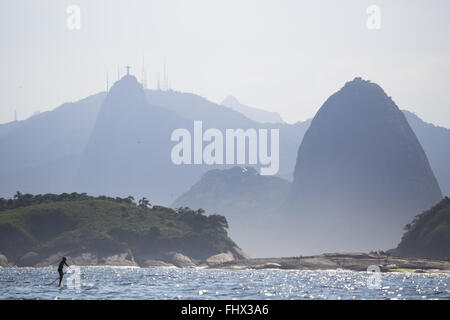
column 173, row 283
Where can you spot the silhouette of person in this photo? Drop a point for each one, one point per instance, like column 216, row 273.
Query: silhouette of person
column 60, row 269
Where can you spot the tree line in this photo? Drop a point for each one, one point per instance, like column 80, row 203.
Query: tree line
column 195, row 218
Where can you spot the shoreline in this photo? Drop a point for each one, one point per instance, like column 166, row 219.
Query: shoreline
column 328, row 261
column 343, row 261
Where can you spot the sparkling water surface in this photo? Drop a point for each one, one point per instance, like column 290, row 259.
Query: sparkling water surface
column 174, row 283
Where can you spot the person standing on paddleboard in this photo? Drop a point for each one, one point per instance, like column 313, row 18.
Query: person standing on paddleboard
column 60, row 269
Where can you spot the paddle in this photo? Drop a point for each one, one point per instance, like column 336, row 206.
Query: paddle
column 53, row 281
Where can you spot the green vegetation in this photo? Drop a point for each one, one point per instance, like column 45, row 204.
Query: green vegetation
column 428, row 235
column 78, row 223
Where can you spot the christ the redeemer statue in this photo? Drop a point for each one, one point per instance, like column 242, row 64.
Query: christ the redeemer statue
column 128, row 70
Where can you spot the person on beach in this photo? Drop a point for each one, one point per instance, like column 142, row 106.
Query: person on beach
column 60, row 269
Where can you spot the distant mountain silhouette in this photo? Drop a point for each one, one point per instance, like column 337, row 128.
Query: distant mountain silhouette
column 436, row 143
column 259, row 115
column 6, row 127
column 194, row 107
column 249, row 201
column 41, row 154
column 49, row 151
column 361, row 173
column 125, row 149
column 129, row 149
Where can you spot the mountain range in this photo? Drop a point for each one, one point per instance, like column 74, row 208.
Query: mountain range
column 367, row 173
column 129, row 149
column 69, row 149
column 118, row 143
column 256, row 114
column 42, row 153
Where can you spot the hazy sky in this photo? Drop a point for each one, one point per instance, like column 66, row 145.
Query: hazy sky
column 283, row 56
